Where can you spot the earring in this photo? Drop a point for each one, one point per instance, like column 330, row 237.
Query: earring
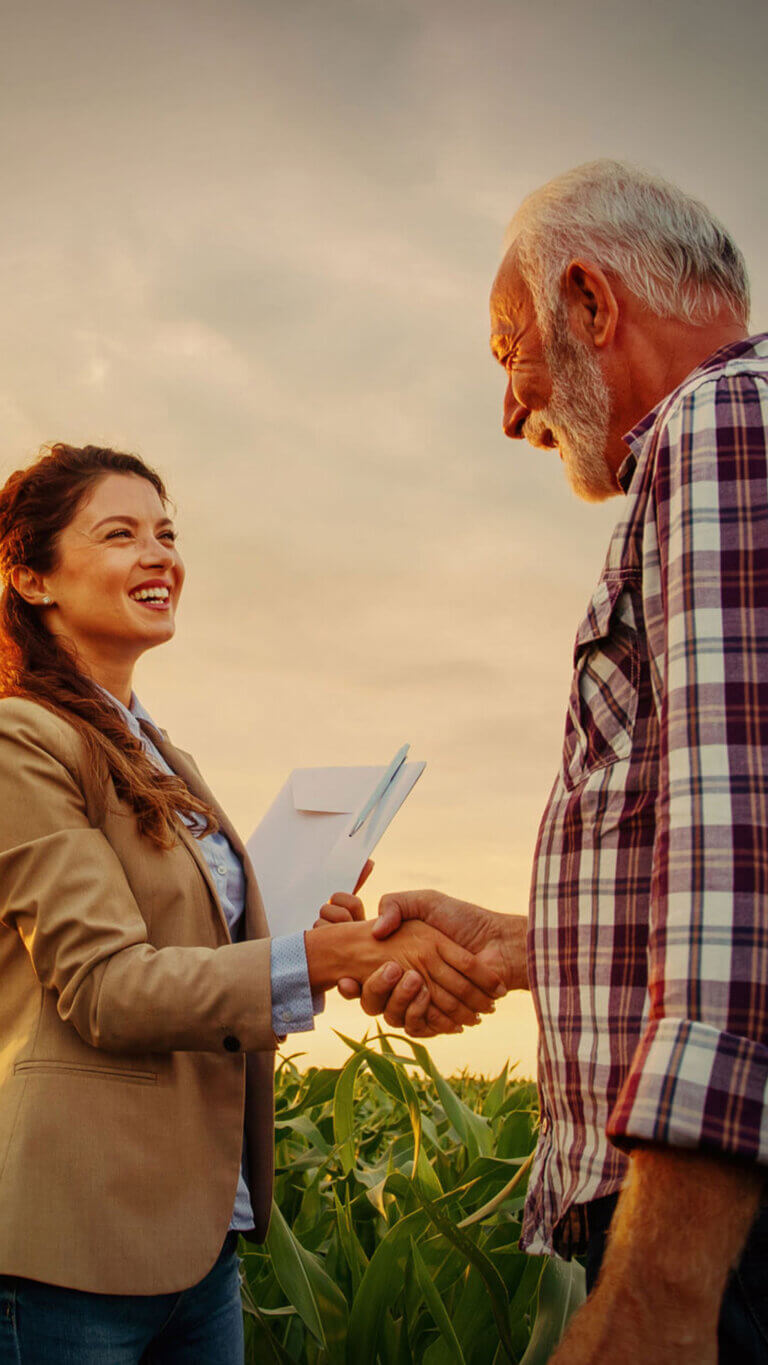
column 46, row 601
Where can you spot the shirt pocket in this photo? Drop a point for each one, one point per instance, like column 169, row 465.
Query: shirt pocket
column 602, row 707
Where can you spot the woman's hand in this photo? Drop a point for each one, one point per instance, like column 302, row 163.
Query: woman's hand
column 343, row 907
column 340, row 909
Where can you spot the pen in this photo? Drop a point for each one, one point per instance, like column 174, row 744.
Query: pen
column 387, row 779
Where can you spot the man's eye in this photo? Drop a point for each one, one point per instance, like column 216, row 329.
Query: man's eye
column 169, row 535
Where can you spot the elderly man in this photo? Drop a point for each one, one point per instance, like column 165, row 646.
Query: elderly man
column 619, row 315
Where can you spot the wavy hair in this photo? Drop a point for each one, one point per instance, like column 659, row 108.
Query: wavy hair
column 36, row 504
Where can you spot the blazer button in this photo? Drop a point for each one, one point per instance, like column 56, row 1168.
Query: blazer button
column 231, row 1043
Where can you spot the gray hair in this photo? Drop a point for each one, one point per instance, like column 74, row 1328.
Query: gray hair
column 666, row 247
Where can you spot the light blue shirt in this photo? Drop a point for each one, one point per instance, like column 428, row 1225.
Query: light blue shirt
column 293, row 1004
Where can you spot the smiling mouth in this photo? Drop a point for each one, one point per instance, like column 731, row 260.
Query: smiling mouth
column 153, row 599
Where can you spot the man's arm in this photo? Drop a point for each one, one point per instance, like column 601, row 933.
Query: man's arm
column 679, row 1227
column 699, row 1075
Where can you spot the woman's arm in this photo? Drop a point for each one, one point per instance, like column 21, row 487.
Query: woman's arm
column 64, row 890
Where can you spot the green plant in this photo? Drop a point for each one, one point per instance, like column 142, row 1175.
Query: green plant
column 398, row 1198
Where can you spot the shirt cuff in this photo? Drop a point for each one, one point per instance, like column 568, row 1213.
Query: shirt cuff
column 692, row 1085
column 293, row 1003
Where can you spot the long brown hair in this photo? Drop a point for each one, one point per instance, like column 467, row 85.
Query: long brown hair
column 36, row 504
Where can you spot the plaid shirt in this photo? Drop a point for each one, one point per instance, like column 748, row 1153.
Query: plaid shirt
column 648, row 938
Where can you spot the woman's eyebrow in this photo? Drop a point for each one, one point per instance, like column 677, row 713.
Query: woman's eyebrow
column 132, row 521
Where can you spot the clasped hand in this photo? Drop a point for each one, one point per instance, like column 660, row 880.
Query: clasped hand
column 438, row 964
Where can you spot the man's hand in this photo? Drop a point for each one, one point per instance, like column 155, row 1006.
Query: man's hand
column 403, row 999
column 679, row 1227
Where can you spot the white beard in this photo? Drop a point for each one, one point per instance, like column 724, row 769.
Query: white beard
column 578, row 412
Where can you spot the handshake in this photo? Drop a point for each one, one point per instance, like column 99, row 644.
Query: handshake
column 430, row 964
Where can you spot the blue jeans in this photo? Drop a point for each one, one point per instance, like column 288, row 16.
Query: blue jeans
column 43, row 1324
column 743, row 1327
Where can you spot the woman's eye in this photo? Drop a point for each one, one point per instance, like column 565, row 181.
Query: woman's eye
column 170, row 536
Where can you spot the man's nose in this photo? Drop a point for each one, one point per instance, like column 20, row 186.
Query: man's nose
column 514, row 416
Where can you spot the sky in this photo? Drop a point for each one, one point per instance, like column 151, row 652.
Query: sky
column 253, row 242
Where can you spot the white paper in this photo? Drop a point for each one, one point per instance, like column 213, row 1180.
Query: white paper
column 302, row 851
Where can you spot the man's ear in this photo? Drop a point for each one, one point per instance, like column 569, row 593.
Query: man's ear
column 591, row 302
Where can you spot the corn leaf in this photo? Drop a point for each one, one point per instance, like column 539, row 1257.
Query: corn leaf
column 344, row 1112
column 262, row 1347
column 523, row 1300
column 400, row 1193
column 320, row 1088
column 380, row 1286
column 562, row 1290
column 348, row 1240
column 493, row 1281
column 471, row 1128
column 436, row 1306
column 303, row 1125
column 497, row 1093
column 395, row 1081
column 317, row 1300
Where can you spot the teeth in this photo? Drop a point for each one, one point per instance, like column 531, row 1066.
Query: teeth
column 145, row 594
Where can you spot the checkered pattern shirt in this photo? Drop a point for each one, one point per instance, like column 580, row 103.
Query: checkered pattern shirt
column 648, row 938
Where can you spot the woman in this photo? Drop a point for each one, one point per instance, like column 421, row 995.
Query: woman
column 140, row 992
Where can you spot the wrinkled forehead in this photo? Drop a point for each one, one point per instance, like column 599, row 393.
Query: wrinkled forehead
column 510, row 302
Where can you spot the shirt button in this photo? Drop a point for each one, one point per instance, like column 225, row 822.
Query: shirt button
column 221, row 868
column 285, row 1014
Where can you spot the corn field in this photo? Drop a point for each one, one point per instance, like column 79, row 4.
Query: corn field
column 398, row 1200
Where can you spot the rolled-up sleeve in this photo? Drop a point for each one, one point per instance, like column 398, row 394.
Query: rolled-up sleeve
column 699, row 1075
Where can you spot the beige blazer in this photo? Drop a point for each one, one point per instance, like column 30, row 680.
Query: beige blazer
column 135, row 1037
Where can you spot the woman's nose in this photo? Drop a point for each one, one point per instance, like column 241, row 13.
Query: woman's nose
column 156, row 552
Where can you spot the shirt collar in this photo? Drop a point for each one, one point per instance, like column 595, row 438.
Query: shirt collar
column 131, row 715
column 635, row 438
column 626, row 471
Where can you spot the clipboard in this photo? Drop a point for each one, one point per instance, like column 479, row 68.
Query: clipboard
column 320, row 831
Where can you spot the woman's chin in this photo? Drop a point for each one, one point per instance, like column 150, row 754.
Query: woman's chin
column 161, row 632
column 165, row 631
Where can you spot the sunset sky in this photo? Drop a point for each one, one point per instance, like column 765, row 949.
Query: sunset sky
column 253, row 242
